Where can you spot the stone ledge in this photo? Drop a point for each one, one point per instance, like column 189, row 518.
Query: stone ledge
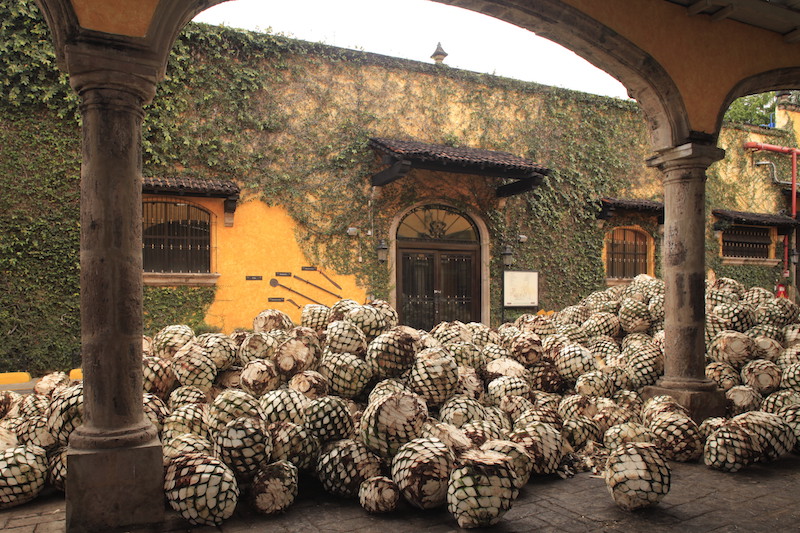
column 168, row 279
column 756, row 261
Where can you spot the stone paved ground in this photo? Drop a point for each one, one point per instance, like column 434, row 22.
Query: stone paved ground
column 759, row 498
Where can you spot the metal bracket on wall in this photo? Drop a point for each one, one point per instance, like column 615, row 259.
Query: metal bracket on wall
column 275, row 283
column 317, row 286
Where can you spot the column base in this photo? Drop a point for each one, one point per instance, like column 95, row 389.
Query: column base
column 109, row 489
column 701, row 400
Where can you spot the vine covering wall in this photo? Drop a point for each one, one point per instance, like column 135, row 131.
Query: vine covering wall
column 289, row 121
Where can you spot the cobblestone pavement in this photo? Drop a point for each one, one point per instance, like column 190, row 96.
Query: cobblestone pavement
column 758, row 498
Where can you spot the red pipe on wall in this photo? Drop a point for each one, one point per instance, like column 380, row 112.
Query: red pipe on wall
column 750, row 145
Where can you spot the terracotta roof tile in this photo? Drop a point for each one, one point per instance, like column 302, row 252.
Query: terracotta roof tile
column 757, row 219
column 633, row 205
column 190, row 186
column 421, row 152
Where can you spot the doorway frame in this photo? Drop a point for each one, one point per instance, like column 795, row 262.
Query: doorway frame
column 484, row 252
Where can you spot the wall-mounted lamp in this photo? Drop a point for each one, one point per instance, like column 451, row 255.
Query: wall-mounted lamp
column 383, row 251
column 522, row 238
column 352, row 231
column 795, row 254
column 773, row 171
column 507, row 255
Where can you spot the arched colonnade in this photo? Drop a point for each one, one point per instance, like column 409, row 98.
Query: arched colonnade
column 684, row 71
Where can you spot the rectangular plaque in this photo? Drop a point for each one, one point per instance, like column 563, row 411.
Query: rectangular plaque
column 283, row 274
column 520, row 288
column 275, row 300
column 309, row 269
column 253, row 278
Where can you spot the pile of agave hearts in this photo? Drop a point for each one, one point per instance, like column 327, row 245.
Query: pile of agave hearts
column 460, row 416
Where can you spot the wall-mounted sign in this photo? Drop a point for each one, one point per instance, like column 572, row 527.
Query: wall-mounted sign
column 252, row 278
column 283, row 274
column 275, row 300
column 520, row 288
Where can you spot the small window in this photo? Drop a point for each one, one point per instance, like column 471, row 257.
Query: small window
column 628, row 253
column 751, row 242
column 177, row 238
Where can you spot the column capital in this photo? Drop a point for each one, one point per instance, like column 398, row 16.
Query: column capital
column 91, row 67
column 689, row 155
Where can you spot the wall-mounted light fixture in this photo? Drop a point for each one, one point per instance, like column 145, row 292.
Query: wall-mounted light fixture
column 522, row 238
column 508, row 256
column 795, row 256
column 352, row 231
column 383, row 251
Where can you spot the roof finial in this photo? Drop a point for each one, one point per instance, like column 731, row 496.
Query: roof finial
column 439, row 55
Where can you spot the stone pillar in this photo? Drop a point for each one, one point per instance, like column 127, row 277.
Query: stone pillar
column 684, row 168
column 115, row 461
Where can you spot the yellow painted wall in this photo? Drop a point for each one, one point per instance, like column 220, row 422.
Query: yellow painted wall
column 788, row 117
column 121, row 17
column 706, row 59
column 261, row 242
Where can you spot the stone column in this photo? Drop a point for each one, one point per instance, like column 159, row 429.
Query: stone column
column 684, row 168
column 115, row 462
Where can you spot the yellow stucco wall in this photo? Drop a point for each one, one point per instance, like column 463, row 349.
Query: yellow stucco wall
column 261, row 243
column 121, row 17
column 706, row 59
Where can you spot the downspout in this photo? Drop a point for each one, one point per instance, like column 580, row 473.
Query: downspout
column 750, row 145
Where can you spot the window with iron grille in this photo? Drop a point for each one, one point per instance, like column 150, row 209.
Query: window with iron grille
column 627, row 253
column 177, row 238
column 747, row 242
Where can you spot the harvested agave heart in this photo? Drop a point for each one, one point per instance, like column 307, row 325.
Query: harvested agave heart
column 344, row 464
column 24, row 470
column 637, row 475
column 521, row 462
column 730, row 448
column 271, row 319
column 378, row 494
column 201, row 488
column 481, row 488
column 171, row 339
column 421, row 469
column 259, row 376
column 328, row 419
column 391, row 421
column 274, row 488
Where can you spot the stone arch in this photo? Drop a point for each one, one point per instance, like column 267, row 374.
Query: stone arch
column 485, row 250
column 772, row 80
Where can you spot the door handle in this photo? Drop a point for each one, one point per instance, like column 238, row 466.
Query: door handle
column 436, row 291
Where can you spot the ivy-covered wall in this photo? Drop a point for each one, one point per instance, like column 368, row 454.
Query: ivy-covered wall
column 289, row 121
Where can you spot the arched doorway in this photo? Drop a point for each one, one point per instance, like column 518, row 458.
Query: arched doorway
column 438, row 270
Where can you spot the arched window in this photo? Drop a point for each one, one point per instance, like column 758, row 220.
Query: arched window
column 628, row 253
column 176, row 238
column 437, row 222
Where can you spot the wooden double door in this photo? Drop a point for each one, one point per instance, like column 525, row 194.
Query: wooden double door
column 438, row 282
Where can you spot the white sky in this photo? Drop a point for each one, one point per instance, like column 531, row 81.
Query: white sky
column 411, row 29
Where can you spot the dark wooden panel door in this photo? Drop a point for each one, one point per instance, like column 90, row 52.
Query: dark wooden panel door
column 438, row 285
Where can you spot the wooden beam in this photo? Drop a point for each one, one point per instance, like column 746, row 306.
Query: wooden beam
column 793, row 36
column 518, row 187
column 398, row 170
column 698, row 7
column 478, row 171
column 723, row 13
